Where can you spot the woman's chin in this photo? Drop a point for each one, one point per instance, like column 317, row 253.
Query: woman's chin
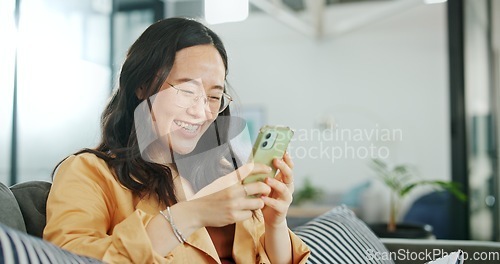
column 183, row 150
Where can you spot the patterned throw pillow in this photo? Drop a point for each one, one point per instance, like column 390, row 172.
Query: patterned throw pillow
column 18, row 247
column 338, row 236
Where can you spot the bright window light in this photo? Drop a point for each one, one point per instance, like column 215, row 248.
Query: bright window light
column 434, row 1
column 222, row 11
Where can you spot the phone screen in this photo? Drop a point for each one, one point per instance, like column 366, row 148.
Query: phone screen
column 271, row 143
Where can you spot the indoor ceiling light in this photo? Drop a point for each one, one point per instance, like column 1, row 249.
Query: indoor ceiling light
column 222, row 11
column 434, row 1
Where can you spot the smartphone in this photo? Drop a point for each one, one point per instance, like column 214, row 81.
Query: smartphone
column 271, row 142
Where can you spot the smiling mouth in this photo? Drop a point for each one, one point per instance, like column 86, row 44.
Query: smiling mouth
column 187, row 126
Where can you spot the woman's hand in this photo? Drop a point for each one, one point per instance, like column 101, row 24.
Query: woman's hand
column 232, row 204
column 277, row 239
column 224, row 203
column 280, row 198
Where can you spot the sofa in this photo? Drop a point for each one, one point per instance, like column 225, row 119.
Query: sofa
column 22, row 219
column 337, row 236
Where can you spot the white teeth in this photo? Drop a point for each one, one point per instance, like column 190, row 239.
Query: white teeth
column 186, row 126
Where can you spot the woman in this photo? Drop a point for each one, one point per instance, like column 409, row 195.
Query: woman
column 125, row 202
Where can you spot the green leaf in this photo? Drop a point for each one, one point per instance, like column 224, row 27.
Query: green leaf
column 409, row 187
column 401, row 169
column 443, row 185
column 307, row 192
column 380, row 163
column 453, row 188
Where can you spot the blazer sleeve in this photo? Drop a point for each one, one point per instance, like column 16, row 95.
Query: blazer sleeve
column 300, row 251
column 80, row 211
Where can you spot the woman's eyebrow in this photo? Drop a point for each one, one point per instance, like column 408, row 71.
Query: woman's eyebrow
column 195, row 81
column 183, row 80
column 217, row 87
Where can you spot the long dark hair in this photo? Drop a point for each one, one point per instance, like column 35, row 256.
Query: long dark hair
column 147, row 65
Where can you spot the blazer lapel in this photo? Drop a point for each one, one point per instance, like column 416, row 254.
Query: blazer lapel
column 244, row 245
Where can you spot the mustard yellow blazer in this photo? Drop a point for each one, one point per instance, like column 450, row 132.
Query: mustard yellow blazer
column 90, row 213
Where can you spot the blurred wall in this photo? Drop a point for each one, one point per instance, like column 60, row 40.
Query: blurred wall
column 390, row 76
column 383, row 88
column 63, row 84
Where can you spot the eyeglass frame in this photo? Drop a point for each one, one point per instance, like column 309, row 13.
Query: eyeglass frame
column 198, row 96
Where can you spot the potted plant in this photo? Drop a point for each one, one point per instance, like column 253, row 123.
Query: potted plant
column 401, row 180
column 308, row 192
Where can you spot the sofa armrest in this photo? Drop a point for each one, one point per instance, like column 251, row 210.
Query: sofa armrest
column 10, row 213
column 423, row 250
column 32, row 199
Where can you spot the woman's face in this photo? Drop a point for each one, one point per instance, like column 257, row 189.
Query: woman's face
column 181, row 122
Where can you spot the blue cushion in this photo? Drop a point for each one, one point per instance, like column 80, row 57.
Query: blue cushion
column 18, row 247
column 432, row 209
column 338, row 236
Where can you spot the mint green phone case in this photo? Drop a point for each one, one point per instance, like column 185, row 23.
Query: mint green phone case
column 271, row 143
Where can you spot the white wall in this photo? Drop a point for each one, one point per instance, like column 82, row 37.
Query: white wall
column 7, row 51
column 391, row 74
column 62, row 88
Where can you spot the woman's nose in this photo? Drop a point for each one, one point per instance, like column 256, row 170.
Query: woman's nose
column 200, row 107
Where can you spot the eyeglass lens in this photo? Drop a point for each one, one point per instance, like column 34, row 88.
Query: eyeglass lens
column 189, row 94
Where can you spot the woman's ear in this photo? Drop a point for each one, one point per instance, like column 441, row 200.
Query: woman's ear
column 141, row 93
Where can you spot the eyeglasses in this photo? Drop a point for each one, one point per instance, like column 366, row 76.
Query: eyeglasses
column 187, row 97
